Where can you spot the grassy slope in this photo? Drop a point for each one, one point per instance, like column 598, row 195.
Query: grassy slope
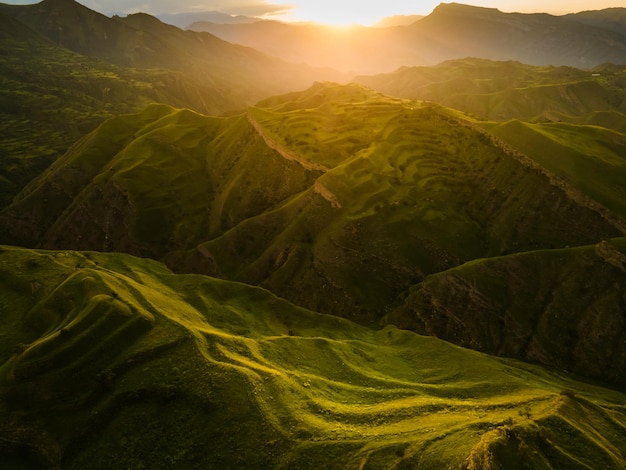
column 512, row 90
column 559, row 307
column 590, row 157
column 112, row 361
column 154, row 181
column 337, row 199
column 50, row 97
column 333, row 197
column 414, row 194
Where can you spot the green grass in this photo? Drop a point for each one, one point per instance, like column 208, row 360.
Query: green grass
column 500, row 91
column 109, row 360
column 590, row 158
column 334, row 198
column 50, row 97
column 558, row 307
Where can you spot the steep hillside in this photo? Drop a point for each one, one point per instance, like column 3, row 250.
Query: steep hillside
column 109, row 361
column 140, row 40
column 589, row 157
column 563, row 308
column 511, row 90
column 151, row 182
column 50, row 97
column 335, row 197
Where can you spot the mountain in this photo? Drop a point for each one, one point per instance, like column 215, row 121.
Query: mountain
column 110, row 361
column 455, row 31
column 51, row 97
column 183, row 20
column 497, row 90
column 613, row 19
column 315, row 44
column 141, row 40
column 339, row 199
column 398, row 20
column 64, row 69
column 451, row 31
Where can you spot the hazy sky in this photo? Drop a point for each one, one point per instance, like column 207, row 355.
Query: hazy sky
column 331, row 11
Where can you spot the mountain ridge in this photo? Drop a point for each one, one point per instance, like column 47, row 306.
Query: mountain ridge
column 451, row 31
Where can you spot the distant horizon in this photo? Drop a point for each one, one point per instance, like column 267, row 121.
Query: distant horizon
column 331, row 12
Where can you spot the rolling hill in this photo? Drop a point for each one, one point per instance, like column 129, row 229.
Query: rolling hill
column 500, row 91
column 112, row 361
column 338, row 198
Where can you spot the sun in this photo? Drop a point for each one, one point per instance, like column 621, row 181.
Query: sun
column 337, row 13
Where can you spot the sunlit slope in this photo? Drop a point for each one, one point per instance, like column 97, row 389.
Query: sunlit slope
column 110, row 361
column 337, row 198
column 140, row 40
column 512, row 90
column 419, row 190
column 559, row 307
column 591, row 158
column 151, row 182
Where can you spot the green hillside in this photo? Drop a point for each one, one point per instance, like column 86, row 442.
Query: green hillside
column 110, row 361
column 591, row 158
column 558, row 307
column 50, row 97
column 55, row 88
column 501, row 91
column 335, row 197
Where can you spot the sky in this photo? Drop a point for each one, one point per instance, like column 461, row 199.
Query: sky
column 338, row 12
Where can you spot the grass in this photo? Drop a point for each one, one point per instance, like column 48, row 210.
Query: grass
column 558, row 307
column 590, row 158
column 500, row 91
column 114, row 352
column 336, row 197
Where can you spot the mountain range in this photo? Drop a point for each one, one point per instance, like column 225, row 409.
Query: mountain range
column 451, row 31
column 214, row 258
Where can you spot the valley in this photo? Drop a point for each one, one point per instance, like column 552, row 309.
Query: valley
column 211, row 257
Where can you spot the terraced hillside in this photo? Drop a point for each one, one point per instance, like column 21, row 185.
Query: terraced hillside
column 332, row 198
column 112, row 361
column 338, row 199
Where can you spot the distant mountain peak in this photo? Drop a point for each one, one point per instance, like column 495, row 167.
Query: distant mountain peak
column 461, row 8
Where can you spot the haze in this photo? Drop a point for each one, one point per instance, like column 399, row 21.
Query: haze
column 343, row 12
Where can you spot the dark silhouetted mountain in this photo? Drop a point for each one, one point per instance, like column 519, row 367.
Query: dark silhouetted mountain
column 141, row 40
column 456, row 30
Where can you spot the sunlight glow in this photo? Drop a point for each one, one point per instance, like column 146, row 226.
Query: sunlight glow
column 347, row 13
